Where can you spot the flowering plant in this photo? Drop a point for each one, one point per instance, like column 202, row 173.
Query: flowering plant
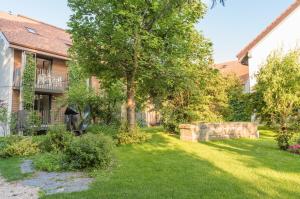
column 294, row 148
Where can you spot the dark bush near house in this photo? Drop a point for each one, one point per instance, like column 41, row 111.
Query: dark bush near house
column 20, row 147
column 89, row 151
column 131, row 138
column 57, row 139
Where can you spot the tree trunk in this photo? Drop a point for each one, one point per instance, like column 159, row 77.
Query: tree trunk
column 131, row 104
column 131, row 73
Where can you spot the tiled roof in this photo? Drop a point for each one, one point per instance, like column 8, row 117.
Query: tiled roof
column 234, row 67
column 264, row 33
column 32, row 34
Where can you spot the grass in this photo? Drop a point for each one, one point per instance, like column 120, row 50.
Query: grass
column 169, row 168
column 10, row 169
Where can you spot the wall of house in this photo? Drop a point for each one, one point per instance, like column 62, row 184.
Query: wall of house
column 285, row 36
column 6, row 75
column 16, row 93
column 15, row 101
column 18, row 59
column 59, row 67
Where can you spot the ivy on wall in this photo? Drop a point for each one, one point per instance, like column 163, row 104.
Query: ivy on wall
column 28, row 82
column 3, row 112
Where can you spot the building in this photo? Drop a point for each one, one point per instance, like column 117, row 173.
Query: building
column 235, row 68
column 49, row 44
column 20, row 35
column 283, row 33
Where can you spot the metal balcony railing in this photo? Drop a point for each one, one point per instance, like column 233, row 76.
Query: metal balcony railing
column 45, row 81
column 46, row 118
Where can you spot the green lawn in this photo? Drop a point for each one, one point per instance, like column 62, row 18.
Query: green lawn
column 169, row 168
column 10, row 169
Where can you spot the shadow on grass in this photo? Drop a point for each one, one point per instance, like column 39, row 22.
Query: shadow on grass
column 163, row 169
column 261, row 153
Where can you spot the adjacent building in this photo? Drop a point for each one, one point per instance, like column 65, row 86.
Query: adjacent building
column 282, row 34
column 235, row 68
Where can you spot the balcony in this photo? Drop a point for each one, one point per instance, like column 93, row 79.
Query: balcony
column 46, row 81
column 47, row 118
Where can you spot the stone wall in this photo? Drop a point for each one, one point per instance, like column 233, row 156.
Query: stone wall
column 218, row 131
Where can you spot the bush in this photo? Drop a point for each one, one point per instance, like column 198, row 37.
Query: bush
column 57, row 139
column 89, row 151
column 284, row 139
column 6, row 141
column 49, row 162
column 23, row 147
column 131, row 138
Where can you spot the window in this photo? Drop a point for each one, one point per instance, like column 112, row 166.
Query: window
column 31, row 30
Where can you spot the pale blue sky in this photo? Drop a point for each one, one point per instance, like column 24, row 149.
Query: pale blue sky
column 230, row 27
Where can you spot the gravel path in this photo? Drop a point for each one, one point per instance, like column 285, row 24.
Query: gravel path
column 54, row 182
column 49, row 182
column 16, row 190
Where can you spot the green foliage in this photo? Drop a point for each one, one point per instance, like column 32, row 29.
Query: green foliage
column 28, row 82
column 106, row 103
column 3, row 112
column 239, row 103
column 78, row 91
column 131, row 138
column 7, row 141
column 201, row 96
column 283, row 139
column 23, row 147
column 139, row 42
column 89, row 151
column 277, row 93
column 56, row 140
column 49, row 162
column 33, row 122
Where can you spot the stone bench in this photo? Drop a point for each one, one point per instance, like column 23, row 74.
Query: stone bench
column 218, row 131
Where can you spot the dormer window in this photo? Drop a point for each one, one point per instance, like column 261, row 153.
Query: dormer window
column 31, row 30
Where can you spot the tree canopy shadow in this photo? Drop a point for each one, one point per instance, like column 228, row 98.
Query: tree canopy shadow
column 163, row 169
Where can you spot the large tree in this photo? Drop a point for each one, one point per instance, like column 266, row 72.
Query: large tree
column 133, row 40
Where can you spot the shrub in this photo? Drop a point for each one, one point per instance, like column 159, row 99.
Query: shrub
column 131, row 138
column 89, row 151
column 24, row 147
column 6, row 141
column 284, row 139
column 49, row 162
column 57, row 139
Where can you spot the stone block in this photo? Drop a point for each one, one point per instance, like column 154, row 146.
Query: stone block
column 218, row 131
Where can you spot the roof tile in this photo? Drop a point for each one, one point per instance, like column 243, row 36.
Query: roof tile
column 48, row 38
